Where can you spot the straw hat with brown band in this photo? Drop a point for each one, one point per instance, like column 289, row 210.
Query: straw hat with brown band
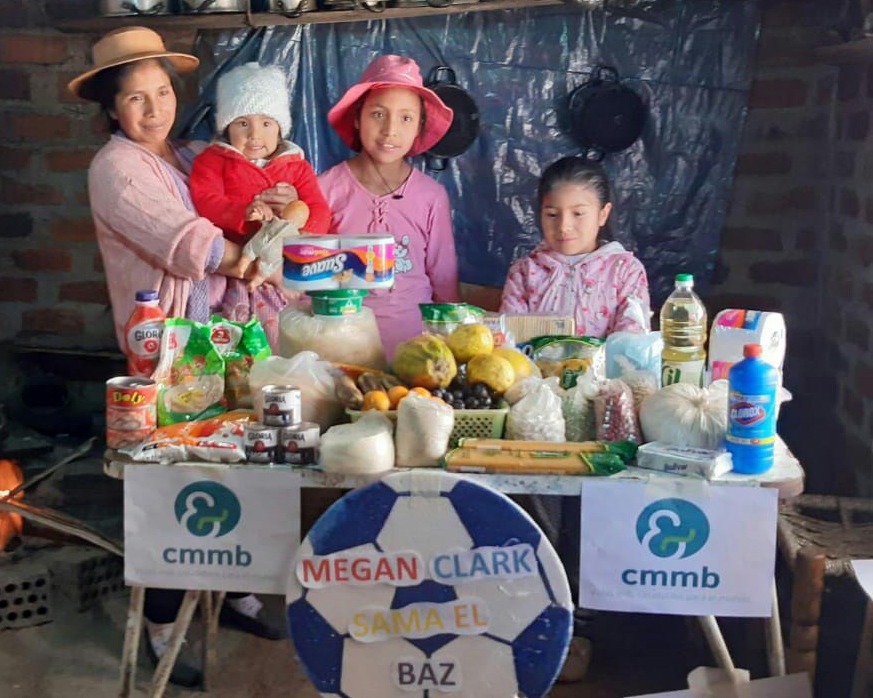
column 127, row 45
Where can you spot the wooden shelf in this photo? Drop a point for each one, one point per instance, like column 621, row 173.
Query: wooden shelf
column 238, row 20
column 858, row 51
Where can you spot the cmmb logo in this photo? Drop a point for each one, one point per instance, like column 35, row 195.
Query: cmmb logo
column 672, row 528
column 207, row 508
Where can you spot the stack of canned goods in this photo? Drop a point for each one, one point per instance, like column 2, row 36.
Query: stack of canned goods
column 280, row 435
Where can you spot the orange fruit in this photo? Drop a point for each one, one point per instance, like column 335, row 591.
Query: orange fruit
column 396, row 394
column 418, row 390
column 376, row 400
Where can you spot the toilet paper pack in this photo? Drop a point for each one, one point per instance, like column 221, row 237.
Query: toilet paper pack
column 732, row 328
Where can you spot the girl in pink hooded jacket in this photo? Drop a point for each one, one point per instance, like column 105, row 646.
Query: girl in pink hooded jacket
column 572, row 272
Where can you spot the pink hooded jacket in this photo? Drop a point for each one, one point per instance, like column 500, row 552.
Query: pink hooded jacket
column 148, row 238
column 594, row 290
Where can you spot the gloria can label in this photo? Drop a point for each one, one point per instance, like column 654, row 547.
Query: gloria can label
column 131, row 410
column 260, row 443
column 369, row 261
column 298, row 444
column 282, row 405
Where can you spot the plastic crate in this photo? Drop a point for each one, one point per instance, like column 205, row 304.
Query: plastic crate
column 483, row 424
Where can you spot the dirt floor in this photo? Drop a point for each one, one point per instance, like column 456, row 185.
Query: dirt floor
column 77, row 655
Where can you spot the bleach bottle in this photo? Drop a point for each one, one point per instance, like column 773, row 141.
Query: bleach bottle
column 751, row 429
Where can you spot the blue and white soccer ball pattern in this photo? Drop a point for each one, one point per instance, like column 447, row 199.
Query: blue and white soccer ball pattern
column 487, row 614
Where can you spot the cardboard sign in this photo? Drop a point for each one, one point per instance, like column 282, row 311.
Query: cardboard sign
column 207, row 527
column 677, row 547
column 423, row 584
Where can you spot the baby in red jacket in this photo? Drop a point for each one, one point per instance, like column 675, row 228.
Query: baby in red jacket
column 250, row 156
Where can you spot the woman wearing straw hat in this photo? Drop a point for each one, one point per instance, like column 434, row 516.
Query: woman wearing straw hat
column 149, row 233
column 150, row 236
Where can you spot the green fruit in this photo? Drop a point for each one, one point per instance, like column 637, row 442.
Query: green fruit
column 425, row 361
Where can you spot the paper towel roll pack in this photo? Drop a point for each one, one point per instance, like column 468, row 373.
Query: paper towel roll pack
column 732, row 328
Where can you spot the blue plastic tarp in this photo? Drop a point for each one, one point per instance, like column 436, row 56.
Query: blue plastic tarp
column 690, row 61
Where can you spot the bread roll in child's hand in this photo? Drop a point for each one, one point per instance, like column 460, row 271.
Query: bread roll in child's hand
column 296, row 213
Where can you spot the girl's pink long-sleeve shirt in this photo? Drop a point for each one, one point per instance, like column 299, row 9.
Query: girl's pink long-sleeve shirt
column 596, row 290
column 426, row 268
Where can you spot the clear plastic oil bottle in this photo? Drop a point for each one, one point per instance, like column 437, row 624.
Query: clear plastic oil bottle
column 683, row 329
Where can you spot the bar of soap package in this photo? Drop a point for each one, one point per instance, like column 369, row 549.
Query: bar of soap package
column 683, row 460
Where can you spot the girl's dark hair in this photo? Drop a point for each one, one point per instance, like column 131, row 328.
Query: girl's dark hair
column 106, row 85
column 575, row 170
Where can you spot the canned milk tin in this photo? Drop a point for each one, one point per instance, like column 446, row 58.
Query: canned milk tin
column 131, row 410
column 298, row 444
column 370, row 261
column 260, row 443
column 282, row 406
column 312, row 262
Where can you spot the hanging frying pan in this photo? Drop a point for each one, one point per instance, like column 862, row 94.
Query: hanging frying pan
column 605, row 116
column 465, row 122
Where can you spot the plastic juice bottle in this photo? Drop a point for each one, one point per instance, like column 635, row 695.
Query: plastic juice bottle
column 752, row 406
column 683, row 329
column 143, row 333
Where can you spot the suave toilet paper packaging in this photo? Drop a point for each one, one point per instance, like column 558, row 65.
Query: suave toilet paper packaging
column 732, row 328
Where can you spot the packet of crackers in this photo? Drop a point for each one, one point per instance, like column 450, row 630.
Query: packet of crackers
column 218, row 439
column 190, row 373
column 240, row 344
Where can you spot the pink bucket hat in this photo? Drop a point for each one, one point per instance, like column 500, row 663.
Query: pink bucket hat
column 392, row 71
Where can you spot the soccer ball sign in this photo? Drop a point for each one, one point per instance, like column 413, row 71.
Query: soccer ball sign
column 426, row 583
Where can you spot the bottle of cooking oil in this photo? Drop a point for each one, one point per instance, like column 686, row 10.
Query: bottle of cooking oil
column 683, row 329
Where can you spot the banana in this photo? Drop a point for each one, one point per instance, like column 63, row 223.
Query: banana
column 348, row 393
column 368, row 382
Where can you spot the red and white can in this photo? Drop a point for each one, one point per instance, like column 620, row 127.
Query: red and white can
column 131, row 410
column 298, row 444
column 261, row 442
column 282, row 405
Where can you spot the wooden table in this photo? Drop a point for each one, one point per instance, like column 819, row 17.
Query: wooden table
column 787, row 476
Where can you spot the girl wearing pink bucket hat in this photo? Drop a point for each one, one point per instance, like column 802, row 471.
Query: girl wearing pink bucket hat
column 388, row 117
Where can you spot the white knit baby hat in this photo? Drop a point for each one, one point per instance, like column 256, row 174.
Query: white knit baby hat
column 253, row 89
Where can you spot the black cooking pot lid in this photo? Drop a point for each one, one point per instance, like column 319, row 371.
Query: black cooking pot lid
column 610, row 117
column 465, row 122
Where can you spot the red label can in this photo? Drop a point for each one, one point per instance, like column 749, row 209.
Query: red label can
column 260, row 443
column 282, row 405
column 131, row 410
column 298, row 444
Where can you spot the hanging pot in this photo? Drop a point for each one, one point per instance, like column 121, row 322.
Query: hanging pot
column 605, row 116
column 290, row 8
column 204, row 7
column 465, row 122
column 127, row 8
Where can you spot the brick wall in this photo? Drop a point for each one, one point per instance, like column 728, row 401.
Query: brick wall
column 794, row 240
column 52, row 275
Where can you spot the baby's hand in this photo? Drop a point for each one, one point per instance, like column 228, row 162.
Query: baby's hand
column 259, row 211
column 254, row 277
column 278, row 197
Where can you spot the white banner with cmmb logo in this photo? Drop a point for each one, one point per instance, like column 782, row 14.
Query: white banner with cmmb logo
column 210, row 527
column 680, row 546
